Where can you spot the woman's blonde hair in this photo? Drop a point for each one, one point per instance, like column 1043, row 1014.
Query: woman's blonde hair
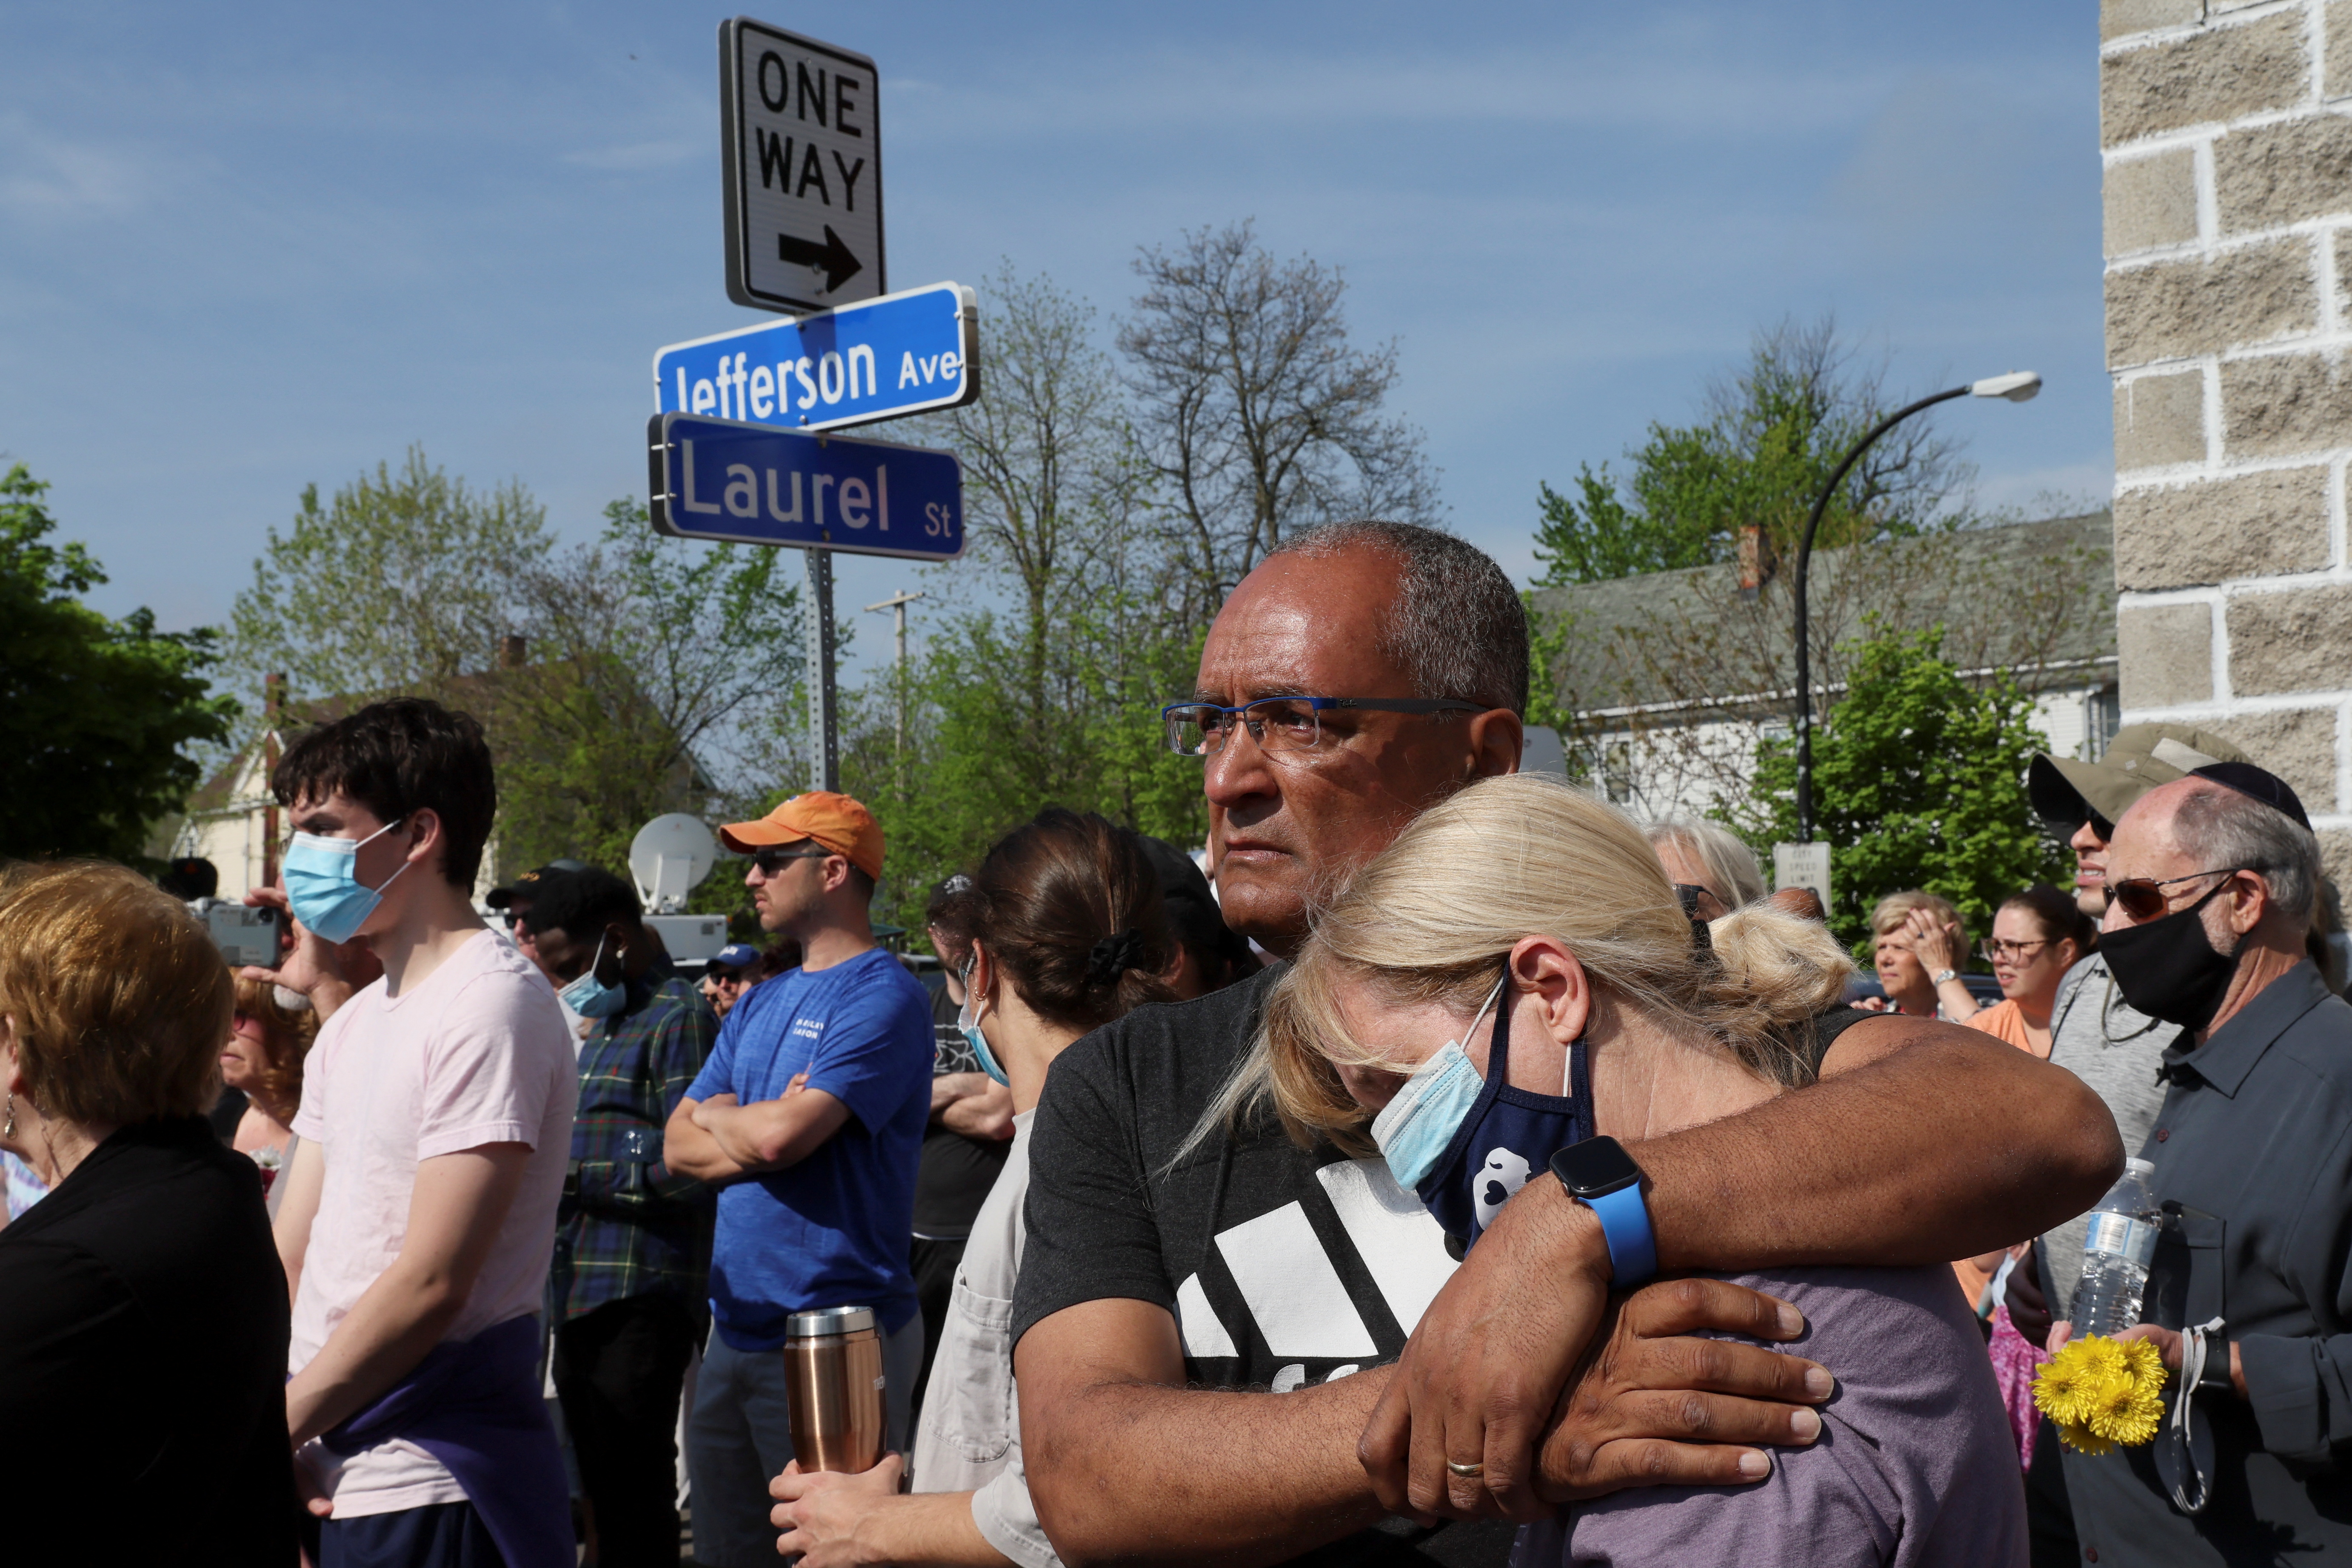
column 1433, row 918
column 1738, row 879
column 1890, row 913
column 119, row 997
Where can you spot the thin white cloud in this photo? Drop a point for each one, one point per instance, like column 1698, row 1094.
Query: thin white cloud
column 45, row 176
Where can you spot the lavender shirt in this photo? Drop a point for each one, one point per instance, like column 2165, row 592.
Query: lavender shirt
column 1914, row 1467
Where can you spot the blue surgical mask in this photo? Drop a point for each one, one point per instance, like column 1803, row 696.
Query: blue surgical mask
column 970, row 1031
column 1415, row 1129
column 1488, row 1137
column 590, row 997
column 322, row 884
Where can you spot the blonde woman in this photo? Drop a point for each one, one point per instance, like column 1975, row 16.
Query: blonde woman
column 1514, row 974
column 1919, row 943
column 1710, row 859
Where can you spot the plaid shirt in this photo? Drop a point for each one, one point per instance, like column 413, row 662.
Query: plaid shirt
column 628, row 1226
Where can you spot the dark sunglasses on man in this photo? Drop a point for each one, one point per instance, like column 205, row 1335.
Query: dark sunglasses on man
column 2143, row 899
column 770, row 857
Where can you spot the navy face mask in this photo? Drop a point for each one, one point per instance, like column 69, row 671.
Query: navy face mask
column 1508, row 1135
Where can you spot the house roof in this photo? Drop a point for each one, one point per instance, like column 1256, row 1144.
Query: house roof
column 2035, row 597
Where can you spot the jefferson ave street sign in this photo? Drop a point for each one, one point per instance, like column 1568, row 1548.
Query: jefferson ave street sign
column 717, row 479
column 902, row 353
column 801, row 127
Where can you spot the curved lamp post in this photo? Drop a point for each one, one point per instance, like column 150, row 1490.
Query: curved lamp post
column 2017, row 386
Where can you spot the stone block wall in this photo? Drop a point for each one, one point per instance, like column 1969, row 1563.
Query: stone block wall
column 2226, row 137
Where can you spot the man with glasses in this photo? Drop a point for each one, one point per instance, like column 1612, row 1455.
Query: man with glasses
column 1206, row 1312
column 2099, row 1037
column 2094, row 1031
column 2211, row 881
column 735, row 970
column 810, row 1115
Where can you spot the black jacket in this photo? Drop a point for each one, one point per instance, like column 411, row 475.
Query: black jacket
column 143, row 1362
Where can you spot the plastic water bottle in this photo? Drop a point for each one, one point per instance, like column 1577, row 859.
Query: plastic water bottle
column 2115, row 1254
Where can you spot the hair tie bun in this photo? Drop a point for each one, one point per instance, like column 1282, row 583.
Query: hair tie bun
column 1114, row 956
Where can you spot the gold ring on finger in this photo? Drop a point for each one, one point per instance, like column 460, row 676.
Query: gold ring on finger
column 1469, row 1472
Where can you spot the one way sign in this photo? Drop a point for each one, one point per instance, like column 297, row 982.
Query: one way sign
column 802, row 126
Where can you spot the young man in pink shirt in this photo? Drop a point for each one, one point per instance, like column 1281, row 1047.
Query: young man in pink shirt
column 435, row 1121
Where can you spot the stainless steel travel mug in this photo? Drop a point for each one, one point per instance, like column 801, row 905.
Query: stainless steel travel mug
column 833, row 1364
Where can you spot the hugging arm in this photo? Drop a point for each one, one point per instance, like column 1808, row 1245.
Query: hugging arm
column 1126, row 1463
column 1923, row 1141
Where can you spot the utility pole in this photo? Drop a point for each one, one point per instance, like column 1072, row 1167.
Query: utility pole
column 273, row 708
column 896, row 604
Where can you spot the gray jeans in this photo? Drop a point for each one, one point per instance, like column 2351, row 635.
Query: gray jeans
column 740, row 1437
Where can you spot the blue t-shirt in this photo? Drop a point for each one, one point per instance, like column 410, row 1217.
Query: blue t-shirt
column 833, row 1230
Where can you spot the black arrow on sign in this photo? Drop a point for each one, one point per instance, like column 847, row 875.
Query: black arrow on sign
column 839, row 266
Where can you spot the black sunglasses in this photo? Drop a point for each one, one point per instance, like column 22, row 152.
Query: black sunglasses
column 2142, row 897
column 771, row 860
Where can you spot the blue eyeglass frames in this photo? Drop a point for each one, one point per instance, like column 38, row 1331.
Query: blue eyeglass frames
column 1281, row 724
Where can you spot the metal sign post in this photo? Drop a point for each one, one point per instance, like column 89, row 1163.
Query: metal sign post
column 825, row 714
column 800, row 137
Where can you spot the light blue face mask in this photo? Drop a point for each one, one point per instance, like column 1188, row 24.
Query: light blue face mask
column 591, row 998
column 1415, row 1129
column 322, row 884
column 970, row 1031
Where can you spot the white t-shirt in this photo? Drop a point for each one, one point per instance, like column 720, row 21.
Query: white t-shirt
column 475, row 1054
column 969, row 1439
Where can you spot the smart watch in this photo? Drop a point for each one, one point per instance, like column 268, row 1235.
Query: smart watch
column 1600, row 1176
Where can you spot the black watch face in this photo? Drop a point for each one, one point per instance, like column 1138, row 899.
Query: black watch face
column 1595, row 1167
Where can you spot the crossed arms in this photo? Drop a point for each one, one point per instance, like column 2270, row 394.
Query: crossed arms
column 722, row 1139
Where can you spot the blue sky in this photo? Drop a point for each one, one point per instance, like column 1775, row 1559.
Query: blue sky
column 245, row 247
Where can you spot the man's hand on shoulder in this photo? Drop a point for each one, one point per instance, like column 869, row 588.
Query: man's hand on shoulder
column 1527, row 1319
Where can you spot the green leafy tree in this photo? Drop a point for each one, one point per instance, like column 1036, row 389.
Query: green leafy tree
column 404, row 582
column 1918, row 782
column 97, row 715
column 650, row 659
column 1767, row 441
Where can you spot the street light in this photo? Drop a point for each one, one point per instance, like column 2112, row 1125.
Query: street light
column 2017, row 386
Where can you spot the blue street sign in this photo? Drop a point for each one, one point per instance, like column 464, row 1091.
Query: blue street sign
column 899, row 354
column 718, row 478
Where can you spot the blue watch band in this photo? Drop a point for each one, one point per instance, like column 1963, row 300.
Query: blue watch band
column 1625, row 1225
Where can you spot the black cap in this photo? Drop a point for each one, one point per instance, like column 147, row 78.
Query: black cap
column 190, row 878
column 581, row 902
column 527, row 885
column 2257, row 784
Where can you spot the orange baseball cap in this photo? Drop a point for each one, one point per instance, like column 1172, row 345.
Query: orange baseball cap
column 837, row 821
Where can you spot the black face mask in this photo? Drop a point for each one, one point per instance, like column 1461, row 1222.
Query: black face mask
column 2168, row 968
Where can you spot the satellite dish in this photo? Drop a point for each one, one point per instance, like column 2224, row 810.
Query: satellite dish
column 669, row 857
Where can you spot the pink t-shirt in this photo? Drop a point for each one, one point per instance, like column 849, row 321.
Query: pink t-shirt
column 475, row 1053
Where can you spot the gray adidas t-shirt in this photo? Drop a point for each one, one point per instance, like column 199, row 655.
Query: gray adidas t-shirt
column 2098, row 1037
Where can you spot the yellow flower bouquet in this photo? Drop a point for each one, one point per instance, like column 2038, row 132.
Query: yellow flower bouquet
column 2103, row 1392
